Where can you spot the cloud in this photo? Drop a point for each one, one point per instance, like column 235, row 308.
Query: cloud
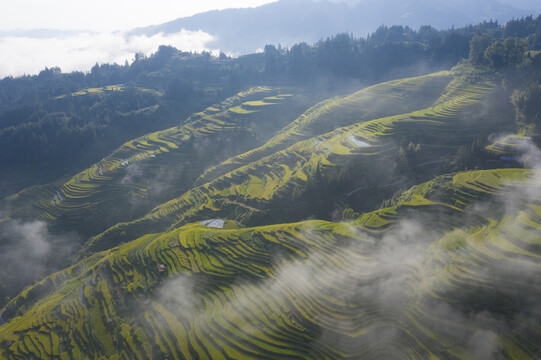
column 379, row 293
column 472, row 300
column 178, row 291
column 529, row 153
column 134, row 172
column 160, row 181
column 29, row 55
column 28, row 252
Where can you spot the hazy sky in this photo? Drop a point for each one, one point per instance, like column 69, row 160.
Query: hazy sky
column 24, row 54
column 104, row 15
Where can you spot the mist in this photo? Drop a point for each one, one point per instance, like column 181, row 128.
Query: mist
column 29, row 252
column 401, row 275
column 80, row 51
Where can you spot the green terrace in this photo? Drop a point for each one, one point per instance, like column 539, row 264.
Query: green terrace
column 104, row 91
column 381, row 100
column 263, row 190
column 140, row 166
column 271, row 291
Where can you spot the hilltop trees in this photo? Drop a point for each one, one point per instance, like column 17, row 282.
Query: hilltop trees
column 507, row 53
column 478, row 45
column 271, row 55
column 485, row 50
column 527, row 105
column 512, row 54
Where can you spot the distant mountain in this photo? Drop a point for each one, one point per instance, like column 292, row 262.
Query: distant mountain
column 291, row 21
column 532, row 5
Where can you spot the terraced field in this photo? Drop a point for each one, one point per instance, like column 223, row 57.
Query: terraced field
column 378, row 101
column 102, row 90
column 228, row 270
column 262, row 191
column 153, row 168
column 371, row 289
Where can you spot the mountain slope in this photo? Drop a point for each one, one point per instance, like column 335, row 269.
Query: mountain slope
column 346, row 164
column 377, row 101
column 267, row 292
column 148, row 170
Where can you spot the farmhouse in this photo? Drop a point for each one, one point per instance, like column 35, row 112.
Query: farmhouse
column 161, row 268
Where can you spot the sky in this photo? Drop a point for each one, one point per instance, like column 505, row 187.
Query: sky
column 104, row 38
column 105, row 15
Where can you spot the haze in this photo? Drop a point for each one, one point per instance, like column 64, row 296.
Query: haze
column 104, row 15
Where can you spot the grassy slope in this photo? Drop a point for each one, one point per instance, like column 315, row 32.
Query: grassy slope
column 159, row 165
column 261, row 191
column 300, row 290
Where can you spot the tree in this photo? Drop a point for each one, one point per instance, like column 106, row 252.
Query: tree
column 527, row 105
column 514, row 50
column 163, row 55
column 509, row 52
column 470, row 156
column 299, row 63
column 478, row 46
column 495, row 55
column 271, row 56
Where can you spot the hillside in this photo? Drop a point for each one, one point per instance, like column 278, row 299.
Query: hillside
column 136, row 176
column 230, row 269
column 160, row 166
column 381, row 100
column 55, row 124
column 57, row 218
column 271, row 291
column 340, row 167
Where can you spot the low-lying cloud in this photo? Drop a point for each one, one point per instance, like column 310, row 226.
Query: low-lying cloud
column 29, row 252
column 29, row 55
column 406, row 272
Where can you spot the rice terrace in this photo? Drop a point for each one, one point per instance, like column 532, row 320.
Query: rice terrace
column 371, row 197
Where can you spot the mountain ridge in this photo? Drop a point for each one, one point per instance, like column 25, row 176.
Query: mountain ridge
column 289, row 22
